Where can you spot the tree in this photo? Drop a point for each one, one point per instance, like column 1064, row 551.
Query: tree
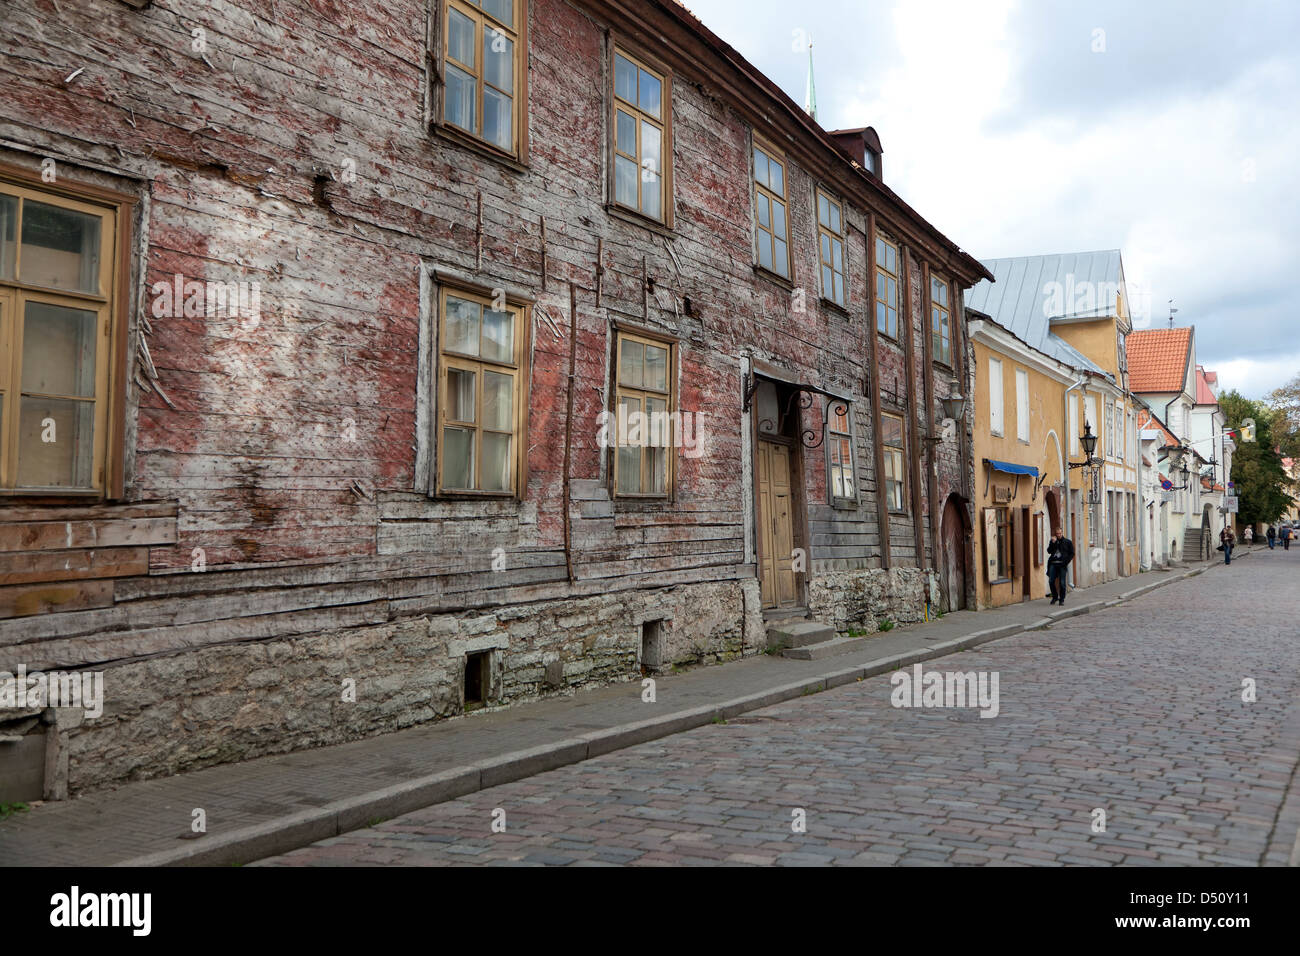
column 1263, row 489
column 1286, row 402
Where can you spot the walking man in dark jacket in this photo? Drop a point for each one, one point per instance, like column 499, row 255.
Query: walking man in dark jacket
column 1060, row 552
column 1226, row 541
column 1272, row 536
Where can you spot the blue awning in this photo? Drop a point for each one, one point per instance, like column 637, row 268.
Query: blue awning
column 1012, row 469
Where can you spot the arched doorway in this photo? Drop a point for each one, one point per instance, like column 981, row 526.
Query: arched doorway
column 953, row 531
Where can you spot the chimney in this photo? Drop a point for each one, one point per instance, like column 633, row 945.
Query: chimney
column 864, row 146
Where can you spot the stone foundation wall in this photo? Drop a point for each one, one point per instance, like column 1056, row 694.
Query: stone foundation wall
column 221, row 704
column 862, row 600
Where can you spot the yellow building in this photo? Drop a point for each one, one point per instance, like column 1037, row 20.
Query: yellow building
column 1019, row 450
column 1072, row 310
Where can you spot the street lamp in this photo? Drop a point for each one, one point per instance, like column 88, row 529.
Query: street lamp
column 954, row 406
column 1089, row 442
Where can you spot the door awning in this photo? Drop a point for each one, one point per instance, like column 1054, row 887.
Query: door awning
column 1011, row 468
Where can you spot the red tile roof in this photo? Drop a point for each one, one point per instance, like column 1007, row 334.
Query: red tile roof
column 1204, row 394
column 1146, row 420
column 1157, row 359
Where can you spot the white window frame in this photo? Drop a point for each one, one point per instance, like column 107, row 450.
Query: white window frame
column 997, row 399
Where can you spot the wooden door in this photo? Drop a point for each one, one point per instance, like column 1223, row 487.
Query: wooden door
column 954, row 558
column 1026, row 556
column 775, row 527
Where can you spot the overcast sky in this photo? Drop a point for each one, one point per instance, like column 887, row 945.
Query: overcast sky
column 1169, row 129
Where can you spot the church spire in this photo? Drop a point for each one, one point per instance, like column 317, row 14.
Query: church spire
column 810, row 98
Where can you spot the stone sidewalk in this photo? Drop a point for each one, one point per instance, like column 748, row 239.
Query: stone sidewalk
column 274, row 804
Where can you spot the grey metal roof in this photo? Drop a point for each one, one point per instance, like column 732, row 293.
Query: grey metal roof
column 1019, row 299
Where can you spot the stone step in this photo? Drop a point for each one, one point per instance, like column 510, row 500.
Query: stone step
column 798, row 633
column 815, row 652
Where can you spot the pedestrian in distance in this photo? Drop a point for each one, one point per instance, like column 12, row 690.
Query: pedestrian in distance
column 1060, row 553
column 1227, row 539
column 1272, row 536
column 1248, row 536
column 1286, row 537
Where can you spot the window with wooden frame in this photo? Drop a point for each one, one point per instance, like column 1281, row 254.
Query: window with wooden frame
column 891, row 440
column 61, row 326
column 840, row 440
column 771, row 214
column 642, row 137
column 481, row 411
column 940, row 321
column 1003, row 563
column 644, row 403
column 830, row 234
column 886, row 287
column 484, row 66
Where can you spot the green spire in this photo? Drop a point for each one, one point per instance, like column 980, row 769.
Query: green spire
column 810, row 98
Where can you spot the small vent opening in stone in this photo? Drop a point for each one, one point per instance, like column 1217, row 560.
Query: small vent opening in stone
column 476, row 679
column 652, row 647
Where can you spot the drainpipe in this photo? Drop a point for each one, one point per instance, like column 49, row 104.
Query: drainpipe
column 1069, row 502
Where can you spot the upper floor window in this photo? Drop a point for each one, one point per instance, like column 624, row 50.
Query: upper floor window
column 643, row 458
column 940, row 321
column 483, row 66
column 996, row 398
column 841, row 451
column 886, row 287
column 480, row 413
column 1022, row 405
column 58, row 329
column 830, row 231
column 770, row 213
column 642, row 151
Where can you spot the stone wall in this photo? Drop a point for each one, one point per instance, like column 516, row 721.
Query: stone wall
column 862, row 600
column 220, row 704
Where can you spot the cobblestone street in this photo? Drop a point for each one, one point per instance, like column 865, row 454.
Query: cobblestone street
column 1136, row 710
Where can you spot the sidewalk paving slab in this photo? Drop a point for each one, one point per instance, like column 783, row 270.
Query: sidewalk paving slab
column 273, row 804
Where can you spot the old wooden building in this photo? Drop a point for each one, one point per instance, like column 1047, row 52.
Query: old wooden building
column 451, row 351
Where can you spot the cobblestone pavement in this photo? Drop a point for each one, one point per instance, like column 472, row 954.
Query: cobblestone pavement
column 1136, row 710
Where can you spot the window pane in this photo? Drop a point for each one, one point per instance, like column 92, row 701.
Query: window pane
column 496, row 462
column 650, row 94
column 498, row 118
column 499, row 336
column 629, row 470
column 460, row 99
column 656, row 369
column 823, row 210
column 460, row 38
column 780, row 258
column 630, row 369
column 58, row 350
column 657, row 466
column 60, row 248
column 656, row 426
column 835, row 218
column 56, row 443
column 891, row 297
column 498, row 60
column 651, row 159
column 460, row 395
column 629, row 445
column 764, row 250
column 503, row 10
column 625, row 139
column 764, row 213
column 651, row 191
column 624, row 79
column 462, row 325
column 778, row 219
column 880, row 317
column 776, row 174
column 891, row 431
column 760, row 167
column 838, row 261
column 8, row 217
column 828, row 283
column 839, row 288
column 625, row 173
column 826, row 247
column 497, row 403
column 457, row 458
column 880, row 252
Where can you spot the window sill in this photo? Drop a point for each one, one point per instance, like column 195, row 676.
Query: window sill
column 1002, row 581
column 945, row 366
column 834, row 306
column 900, row 514
column 467, row 140
column 892, row 339
column 774, row 277
column 638, row 219
column 844, row 504
column 445, row 495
